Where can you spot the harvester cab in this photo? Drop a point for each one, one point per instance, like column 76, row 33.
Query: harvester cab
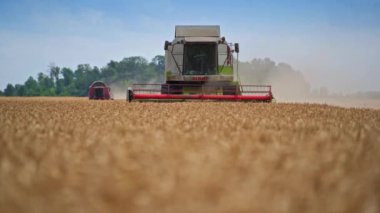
column 199, row 64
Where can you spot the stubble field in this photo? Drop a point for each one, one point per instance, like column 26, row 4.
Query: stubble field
column 76, row 155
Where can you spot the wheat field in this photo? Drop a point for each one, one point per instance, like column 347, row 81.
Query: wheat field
column 76, row 155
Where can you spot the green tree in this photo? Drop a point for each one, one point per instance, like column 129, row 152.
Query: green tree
column 31, row 87
column 10, row 90
column 45, row 85
column 133, row 68
column 54, row 72
column 59, row 87
column 109, row 73
column 83, row 78
column 159, row 62
column 20, row 90
column 66, row 86
column 68, row 76
column 67, row 82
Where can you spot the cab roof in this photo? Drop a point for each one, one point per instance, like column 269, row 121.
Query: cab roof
column 197, row 31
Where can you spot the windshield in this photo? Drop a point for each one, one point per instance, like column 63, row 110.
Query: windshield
column 200, row 59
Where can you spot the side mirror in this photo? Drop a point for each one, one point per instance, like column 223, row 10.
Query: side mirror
column 237, row 47
column 166, row 47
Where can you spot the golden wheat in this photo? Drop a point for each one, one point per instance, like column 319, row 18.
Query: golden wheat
column 75, row 155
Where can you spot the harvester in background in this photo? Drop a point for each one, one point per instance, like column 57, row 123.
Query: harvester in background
column 99, row 90
column 199, row 65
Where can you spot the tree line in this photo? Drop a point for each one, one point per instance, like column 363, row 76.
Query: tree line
column 67, row 82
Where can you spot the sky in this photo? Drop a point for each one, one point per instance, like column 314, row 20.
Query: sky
column 334, row 43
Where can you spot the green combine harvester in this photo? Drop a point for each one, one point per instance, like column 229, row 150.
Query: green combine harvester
column 199, row 65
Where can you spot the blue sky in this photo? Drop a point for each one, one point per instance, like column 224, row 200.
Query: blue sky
column 333, row 43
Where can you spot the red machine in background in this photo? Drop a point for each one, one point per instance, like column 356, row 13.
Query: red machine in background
column 99, row 91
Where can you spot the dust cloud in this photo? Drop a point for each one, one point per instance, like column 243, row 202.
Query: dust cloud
column 119, row 88
column 118, row 91
column 290, row 85
column 287, row 83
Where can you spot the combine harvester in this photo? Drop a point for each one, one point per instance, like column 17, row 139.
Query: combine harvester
column 99, row 90
column 199, row 66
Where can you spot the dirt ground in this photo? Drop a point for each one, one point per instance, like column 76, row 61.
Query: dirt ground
column 76, row 155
